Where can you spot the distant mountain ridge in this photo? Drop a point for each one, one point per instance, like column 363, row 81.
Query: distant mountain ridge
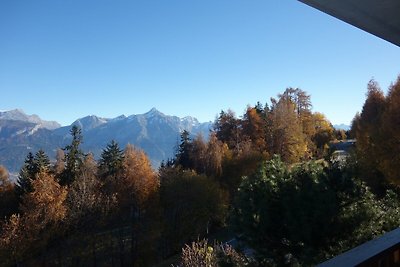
column 342, row 126
column 19, row 115
column 154, row 132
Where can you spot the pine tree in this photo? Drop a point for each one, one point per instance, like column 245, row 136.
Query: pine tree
column 228, row 129
column 41, row 162
column 26, row 175
column 34, row 164
column 111, row 160
column 184, row 150
column 73, row 157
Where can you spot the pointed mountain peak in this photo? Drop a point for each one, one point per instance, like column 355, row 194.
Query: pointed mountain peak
column 153, row 112
column 120, row 117
column 89, row 122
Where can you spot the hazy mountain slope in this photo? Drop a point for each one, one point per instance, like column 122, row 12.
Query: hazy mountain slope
column 19, row 115
column 342, row 127
column 17, row 138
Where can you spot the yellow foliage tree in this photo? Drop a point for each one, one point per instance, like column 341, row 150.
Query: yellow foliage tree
column 390, row 136
column 139, row 182
column 42, row 211
column 288, row 138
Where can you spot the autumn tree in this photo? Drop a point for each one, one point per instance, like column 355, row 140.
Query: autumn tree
column 323, row 134
column 42, row 211
column 87, row 205
column 214, row 154
column 198, row 154
column 368, row 132
column 388, row 135
column 288, row 138
column 137, row 198
column 8, row 201
column 13, row 241
column 139, row 181
column 45, row 205
column 207, row 157
column 59, row 165
column 340, row 134
column 254, row 127
column 191, row 204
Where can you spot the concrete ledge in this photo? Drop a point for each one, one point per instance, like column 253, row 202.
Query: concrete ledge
column 382, row 251
column 378, row 17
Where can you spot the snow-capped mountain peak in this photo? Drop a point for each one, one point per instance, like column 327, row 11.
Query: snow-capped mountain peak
column 20, row 115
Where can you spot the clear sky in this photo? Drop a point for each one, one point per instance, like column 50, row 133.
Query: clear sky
column 65, row 59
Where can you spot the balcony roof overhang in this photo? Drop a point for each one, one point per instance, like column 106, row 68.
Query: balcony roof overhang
column 378, row 17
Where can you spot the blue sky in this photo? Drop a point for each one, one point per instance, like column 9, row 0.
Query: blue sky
column 63, row 60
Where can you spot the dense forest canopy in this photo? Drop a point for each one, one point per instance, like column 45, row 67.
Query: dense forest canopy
column 266, row 179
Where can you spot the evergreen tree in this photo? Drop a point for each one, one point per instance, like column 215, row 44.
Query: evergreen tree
column 228, row 129
column 26, row 175
column 111, row 160
column 41, row 162
column 184, row 151
column 34, row 164
column 73, row 157
column 309, row 212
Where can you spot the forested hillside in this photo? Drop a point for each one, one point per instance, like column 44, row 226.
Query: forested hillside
column 264, row 181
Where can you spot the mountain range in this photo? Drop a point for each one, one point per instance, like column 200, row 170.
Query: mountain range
column 342, row 127
column 154, row 132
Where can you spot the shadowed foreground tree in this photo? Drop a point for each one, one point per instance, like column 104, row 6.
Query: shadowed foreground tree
column 8, row 200
column 377, row 129
column 368, row 132
column 137, row 194
column 389, row 142
column 228, row 130
column 306, row 214
column 42, row 210
column 183, row 155
column 191, row 205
